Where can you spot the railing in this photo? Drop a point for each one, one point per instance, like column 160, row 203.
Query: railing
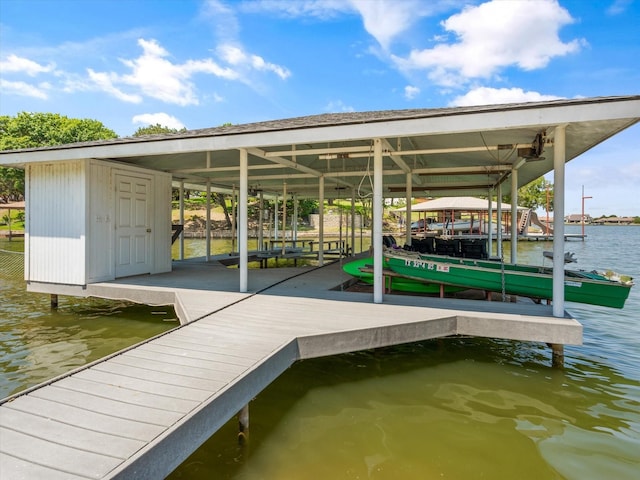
column 11, row 264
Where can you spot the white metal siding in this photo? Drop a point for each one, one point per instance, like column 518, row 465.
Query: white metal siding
column 56, row 223
column 161, row 236
column 100, row 259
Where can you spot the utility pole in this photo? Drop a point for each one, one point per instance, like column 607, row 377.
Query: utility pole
column 582, row 217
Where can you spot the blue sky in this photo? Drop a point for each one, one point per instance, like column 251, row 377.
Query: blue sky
column 197, row 64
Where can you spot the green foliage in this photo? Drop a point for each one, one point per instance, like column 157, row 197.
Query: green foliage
column 27, row 130
column 155, row 130
column 534, row 195
column 31, row 130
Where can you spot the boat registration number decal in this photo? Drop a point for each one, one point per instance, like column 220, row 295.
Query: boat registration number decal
column 569, row 283
column 426, row 265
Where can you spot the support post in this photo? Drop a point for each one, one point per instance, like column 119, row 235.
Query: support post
column 321, row 221
column 499, row 220
column 558, row 220
column 181, row 244
column 284, row 218
column 514, row 215
column 409, row 195
column 376, row 241
column 243, row 425
column 353, row 222
column 243, row 223
column 208, row 221
column 557, row 355
column 261, row 223
column 490, row 223
column 54, row 301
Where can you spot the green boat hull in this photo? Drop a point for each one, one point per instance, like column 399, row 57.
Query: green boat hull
column 398, row 283
column 524, row 280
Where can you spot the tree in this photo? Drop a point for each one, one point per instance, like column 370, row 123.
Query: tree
column 30, row 130
column 534, row 194
column 155, row 130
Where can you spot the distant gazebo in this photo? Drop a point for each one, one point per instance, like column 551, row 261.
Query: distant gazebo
column 10, row 207
column 449, row 210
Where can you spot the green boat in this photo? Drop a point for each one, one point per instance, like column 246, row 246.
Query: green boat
column 400, row 284
column 596, row 288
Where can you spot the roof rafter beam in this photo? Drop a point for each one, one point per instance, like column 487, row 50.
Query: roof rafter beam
column 290, row 163
column 228, row 169
column 397, row 158
column 477, row 170
column 257, row 152
column 319, row 151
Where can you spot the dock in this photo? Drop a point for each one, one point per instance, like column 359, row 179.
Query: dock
column 141, row 412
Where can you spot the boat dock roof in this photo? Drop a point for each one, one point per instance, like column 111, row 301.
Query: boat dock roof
column 140, row 412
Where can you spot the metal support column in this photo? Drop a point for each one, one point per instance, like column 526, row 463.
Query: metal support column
column 321, row 221
column 207, row 228
column 408, row 197
column 558, row 220
column 376, row 241
column 181, row 206
column 243, row 220
column 514, row 215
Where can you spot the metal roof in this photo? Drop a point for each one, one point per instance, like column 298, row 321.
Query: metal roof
column 465, row 204
column 447, row 151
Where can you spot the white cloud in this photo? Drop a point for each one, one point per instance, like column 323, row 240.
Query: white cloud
column 493, row 36
column 154, row 75
column 15, row 64
column 618, row 7
column 237, row 57
column 157, row 77
column 411, row 92
column 161, row 118
column 494, row 96
column 105, row 82
column 24, row 89
column 322, row 9
column 385, row 19
column 338, row 106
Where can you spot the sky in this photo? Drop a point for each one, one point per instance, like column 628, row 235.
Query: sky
column 202, row 63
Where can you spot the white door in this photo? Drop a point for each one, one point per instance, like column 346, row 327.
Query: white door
column 133, row 225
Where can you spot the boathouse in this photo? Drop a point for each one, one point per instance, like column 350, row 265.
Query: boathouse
column 99, row 210
column 98, row 224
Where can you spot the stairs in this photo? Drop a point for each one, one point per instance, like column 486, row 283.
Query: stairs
column 524, row 221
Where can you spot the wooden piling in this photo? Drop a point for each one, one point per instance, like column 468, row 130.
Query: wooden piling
column 557, row 355
column 54, row 301
column 243, row 425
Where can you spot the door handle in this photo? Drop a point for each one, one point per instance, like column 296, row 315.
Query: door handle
column 148, row 230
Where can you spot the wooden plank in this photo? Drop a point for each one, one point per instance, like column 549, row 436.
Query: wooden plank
column 133, row 397
column 72, row 460
column 186, row 366
column 144, row 386
column 13, row 467
column 250, row 352
column 106, row 406
column 69, row 435
column 164, row 378
column 178, row 370
column 84, row 419
column 241, row 354
column 197, row 355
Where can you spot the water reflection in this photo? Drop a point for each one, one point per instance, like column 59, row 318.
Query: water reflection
column 454, row 408
column 38, row 343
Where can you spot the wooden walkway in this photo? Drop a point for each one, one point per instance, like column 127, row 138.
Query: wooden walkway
column 140, row 413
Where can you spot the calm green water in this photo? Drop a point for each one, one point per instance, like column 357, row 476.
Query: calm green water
column 455, row 408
